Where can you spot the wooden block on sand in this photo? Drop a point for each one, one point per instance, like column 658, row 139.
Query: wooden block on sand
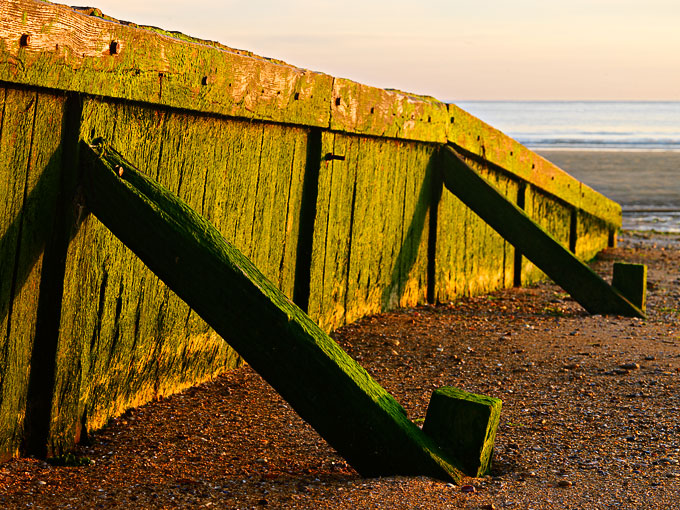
column 464, row 425
column 631, row 281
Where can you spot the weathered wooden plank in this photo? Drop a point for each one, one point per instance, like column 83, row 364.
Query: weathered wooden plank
column 465, row 424
column 450, row 244
column 631, row 281
column 332, row 231
column 362, row 421
column 592, row 235
column 487, row 252
column 16, row 176
column 366, row 235
column 552, row 216
column 366, row 258
column 411, row 260
column 471, row 258
column 478, row 138
column 138, row 340
column 125, row 338
column 71, row 51
column 366, row 110
column 584, row 285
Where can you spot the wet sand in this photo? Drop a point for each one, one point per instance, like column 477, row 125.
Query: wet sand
column 632, row 178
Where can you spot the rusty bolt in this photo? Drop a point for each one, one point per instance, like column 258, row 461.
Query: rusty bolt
column 114, row 48
column 120, row 171
column 24, row 40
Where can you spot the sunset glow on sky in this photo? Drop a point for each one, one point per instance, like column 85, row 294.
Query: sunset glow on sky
column 488, row 49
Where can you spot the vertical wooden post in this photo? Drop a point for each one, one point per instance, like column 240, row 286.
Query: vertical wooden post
column 631, row 281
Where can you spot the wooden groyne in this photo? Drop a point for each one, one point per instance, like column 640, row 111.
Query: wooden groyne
column 332, row 188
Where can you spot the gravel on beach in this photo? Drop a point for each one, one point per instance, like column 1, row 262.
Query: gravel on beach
column 589, row 419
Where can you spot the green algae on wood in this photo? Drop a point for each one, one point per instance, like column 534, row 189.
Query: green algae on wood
column 581, row 282
column 131, row 338
column 30, row 159
column 465, row 425
column 471, row 258
column 366, row 110
column 370, row 241
column 631, row 281
column 143, row 341
column 322, row 383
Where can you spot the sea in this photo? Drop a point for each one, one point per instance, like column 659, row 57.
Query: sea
column 627, row 150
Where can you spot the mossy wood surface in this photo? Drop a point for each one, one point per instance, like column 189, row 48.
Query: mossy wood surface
column 465, row 425
column 471, row 258
column 369, row 250
column 631, row 281
column 69, row 50
column 322, row 383
column 30, row 157
column 581, row 282
column 367, row 110
column 125, row 338
column 592, row 235
column 552, row 216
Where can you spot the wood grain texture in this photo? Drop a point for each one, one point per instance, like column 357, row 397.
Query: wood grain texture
column 371, row 231
column 361, row 109
column 592, row 235
column 70, row 50
column 552, row 216
column 30, row 134
column 134, row 339
column 320, row 381
column 227, row 131
column 581, row 282
column 465, row 424
column 471, row 258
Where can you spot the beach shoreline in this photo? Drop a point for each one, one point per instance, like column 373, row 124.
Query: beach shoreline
column 624, row 176
column 645, row 182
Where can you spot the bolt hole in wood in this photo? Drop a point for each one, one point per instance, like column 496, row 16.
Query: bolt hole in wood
column 372, row 110
column 453, row 120
column 204, row 80
column 337, row 101
column 330, row 157
column 296, row 96
column 24, row 40
column 114, row 48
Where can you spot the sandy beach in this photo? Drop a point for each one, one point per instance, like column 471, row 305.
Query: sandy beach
column 589, row 418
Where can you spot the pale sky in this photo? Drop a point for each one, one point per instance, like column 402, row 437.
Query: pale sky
column 452, row 50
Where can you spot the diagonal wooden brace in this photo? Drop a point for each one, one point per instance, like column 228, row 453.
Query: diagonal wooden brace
column 512, row 223
column 326, row 387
